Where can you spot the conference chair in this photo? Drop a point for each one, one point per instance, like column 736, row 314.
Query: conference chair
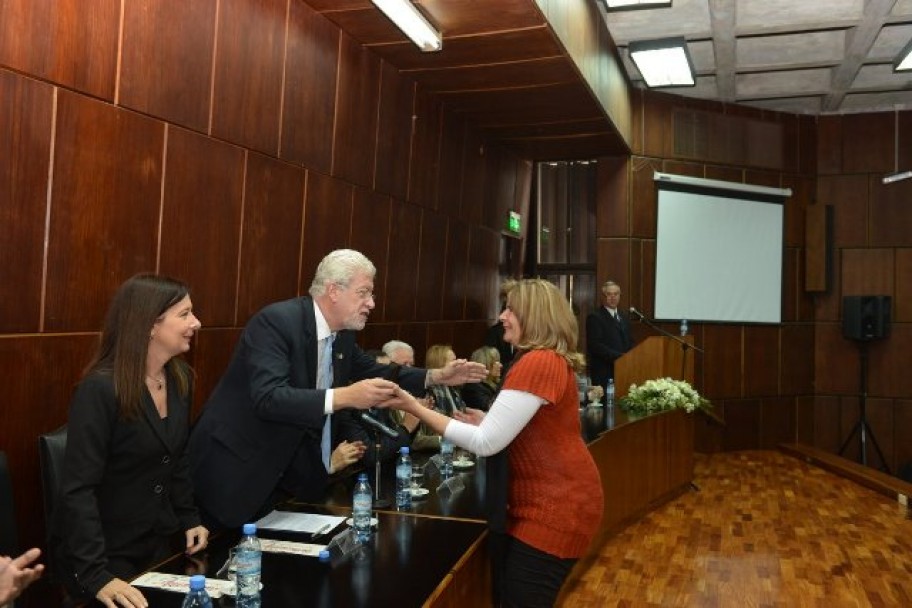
column 51, row 452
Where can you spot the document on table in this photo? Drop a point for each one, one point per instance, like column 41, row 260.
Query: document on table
column 181, row 584
column 309, row 523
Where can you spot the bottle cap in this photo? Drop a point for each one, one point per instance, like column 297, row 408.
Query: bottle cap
column 197, row 582
column 324, row 555
column 404, row 450
column 362, row 476
column 249, row 529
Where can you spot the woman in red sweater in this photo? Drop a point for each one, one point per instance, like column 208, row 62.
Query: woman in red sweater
column 553, row 495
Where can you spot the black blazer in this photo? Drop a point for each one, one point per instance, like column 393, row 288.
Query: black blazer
column 260, row 429
column 123, row 482
column 607, row 339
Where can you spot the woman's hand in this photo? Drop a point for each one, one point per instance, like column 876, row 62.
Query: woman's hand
column 470, row 416
column 345, row 454
column 197, row 539
column 404, row 401
column 118, row 593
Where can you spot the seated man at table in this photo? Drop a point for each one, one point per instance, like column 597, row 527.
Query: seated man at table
column 265, row 433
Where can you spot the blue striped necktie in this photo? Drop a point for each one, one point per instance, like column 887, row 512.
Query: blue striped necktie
column 326, row 382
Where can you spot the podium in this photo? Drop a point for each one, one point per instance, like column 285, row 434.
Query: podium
column 654, row 357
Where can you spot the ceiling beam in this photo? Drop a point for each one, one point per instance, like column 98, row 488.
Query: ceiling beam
column 859, row 41
column 722, row 22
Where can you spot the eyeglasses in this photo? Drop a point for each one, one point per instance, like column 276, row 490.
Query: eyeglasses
column 365, row 294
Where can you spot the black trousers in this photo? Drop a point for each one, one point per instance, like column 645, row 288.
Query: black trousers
column 523, row 576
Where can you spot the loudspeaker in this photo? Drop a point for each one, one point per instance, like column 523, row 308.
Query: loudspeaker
column 865, row 317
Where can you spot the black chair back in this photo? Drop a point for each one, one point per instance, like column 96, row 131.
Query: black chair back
column 9, row 543
column 51, row 452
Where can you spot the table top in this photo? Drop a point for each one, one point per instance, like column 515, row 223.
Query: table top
column 404, row 563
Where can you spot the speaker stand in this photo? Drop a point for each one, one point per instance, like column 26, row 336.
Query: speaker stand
column 862, row 427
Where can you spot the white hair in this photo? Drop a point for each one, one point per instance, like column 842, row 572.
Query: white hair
column 340, row 267
column 393, row 345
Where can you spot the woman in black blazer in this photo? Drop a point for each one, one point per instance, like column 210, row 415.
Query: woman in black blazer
column 126, row 488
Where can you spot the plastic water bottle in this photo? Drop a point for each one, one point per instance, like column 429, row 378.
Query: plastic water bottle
column 362, row 505
column 197, row 596
column 609, row 393
column 249, row 559
column 404, row 480
column 446, row 451
column 683, row 327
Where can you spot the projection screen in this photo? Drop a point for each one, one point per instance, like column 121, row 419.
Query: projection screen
column 719, row 250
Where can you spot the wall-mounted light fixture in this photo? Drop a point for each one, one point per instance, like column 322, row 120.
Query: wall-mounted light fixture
column 412, row 23
column 903, row 61
column 628, row 5
column 897, row 175
column 663, row 63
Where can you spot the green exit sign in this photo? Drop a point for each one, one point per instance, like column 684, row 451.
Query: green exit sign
column 514, row 222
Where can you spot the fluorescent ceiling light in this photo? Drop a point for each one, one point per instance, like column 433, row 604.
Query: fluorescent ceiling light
column 904, row 59
column 412, row 23
column 663, row 63
column 626, row 5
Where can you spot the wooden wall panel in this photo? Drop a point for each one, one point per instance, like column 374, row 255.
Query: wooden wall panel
column 902, row 296
column 309, row 108
column 867, row 272
column 247, row 93
column 395, row 132
column 849, row 196
column 452, row 153
column 643, row 199
column 792, row 283
column 902, row 457
column 863, row 138
column 804, row 420
column 762, row 357
column 104, row 208
column 613, row 196
column 803, row 193
column 370, row 236
column 835, row 361
column 166, row 65
column 212, row 351
column 473, row 178
column 356, row 130
column 46, row 37
column 271, row 234
column 797, row 375
column 431, row 266
column 777, row 426
column 26, row 108
column 888, row 364
column 722, row 360
column 890, row 212
column 829, row 145
column 39, row 373
column 327, row 221
column 613, row 263
column 201, row 221
column 807, row 145
column 455, row 285
column 827, row 421
column 482, row 298
column 425, row 160
column 743, row 418
column 405, row 243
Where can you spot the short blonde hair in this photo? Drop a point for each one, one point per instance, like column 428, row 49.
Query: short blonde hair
column 436, row 356
column 545, row 319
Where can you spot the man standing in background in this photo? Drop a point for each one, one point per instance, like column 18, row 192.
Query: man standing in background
column 607, row 335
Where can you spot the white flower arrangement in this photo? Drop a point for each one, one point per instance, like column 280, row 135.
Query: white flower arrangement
column 663, row 394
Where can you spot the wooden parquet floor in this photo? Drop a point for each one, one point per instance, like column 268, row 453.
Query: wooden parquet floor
column 764, row 529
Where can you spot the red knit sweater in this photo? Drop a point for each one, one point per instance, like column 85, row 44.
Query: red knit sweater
column 556, row 500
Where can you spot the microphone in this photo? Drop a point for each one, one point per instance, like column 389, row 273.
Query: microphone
column 366, row 418
column 637, row 313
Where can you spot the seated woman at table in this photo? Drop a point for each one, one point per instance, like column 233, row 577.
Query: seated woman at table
column 481, row 394
column 444, row 399
column 548, row 510
column 126, row 485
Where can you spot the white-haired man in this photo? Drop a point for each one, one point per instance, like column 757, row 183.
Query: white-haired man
column 265, row 432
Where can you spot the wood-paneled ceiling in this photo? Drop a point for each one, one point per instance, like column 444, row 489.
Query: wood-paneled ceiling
column 501, row 66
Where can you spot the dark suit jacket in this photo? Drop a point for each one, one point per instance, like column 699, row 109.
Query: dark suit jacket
column 260, row 429
column 606, row 340
column 124, row 483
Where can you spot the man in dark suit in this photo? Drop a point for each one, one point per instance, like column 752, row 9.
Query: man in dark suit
column 265, row 432
column 607, row 335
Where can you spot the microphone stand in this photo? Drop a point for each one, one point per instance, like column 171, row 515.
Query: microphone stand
column 684, row 343
column 380, row 503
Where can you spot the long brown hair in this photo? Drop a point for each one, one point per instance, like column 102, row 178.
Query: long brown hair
column 124, row 342
column 545, row 318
